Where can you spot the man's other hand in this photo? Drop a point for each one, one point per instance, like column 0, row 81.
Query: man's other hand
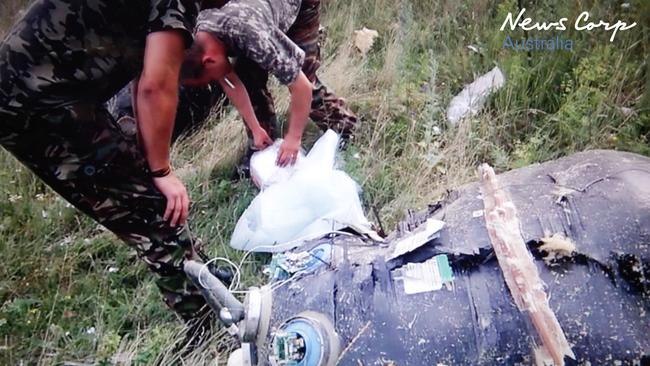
column 178, row 202
column 288, row 151
column 261, row 139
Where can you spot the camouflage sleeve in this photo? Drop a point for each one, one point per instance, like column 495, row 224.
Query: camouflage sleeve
column 284, row 58
column 274, row 52
column 174, row 15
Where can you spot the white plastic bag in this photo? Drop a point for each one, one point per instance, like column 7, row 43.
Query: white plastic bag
column 313, row 200
column 472, row 98
column 264, row 171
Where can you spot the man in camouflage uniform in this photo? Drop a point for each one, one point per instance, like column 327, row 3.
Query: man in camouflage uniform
column 275, row 36
column 58, row 66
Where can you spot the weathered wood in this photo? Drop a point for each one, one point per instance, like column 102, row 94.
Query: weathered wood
column 518, row 267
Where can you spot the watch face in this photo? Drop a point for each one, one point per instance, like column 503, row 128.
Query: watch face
column 128, row 125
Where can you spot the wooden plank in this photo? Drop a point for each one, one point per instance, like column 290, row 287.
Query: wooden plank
column 519, row 269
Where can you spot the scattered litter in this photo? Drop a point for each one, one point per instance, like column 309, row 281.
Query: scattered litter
column 13, row 198
column 477, row 213
column 627, row 112
column 113, row 269
column 472, row 98
column 474, row 48
column 67, row 240
column 364, row 39
column 427, row 276
column 91, row 330
column 314, row 200
column 428, row 232
column 284, row 265
column 557, row 246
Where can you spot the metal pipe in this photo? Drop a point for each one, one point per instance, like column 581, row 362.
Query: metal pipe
column 216, row 294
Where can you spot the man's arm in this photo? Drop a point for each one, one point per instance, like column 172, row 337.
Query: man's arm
column 157, row 99
column 300, row 107
column 238, row 96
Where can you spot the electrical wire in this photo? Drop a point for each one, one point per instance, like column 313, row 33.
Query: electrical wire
column 233, row 285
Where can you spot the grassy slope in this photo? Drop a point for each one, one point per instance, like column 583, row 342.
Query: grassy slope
column 70, row 291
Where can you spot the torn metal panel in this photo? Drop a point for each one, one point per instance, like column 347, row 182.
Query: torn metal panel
column 604, row 207
column 599, row 293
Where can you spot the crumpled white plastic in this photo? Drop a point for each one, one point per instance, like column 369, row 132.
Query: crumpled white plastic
column 264, row 171
column 472, row 98
column 302, row 203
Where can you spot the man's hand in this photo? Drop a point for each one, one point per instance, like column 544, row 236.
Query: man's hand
column 288, row 151
column 261, row 139
column 178, row 202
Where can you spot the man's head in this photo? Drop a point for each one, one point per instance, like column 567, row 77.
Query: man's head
column 205, row 61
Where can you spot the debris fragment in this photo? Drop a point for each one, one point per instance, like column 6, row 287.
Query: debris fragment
column 562, row 192
column 627, row 112
column 427, row 276
column 364, row 39
column 472, row 98
column 475, row 49
column 285, row 265
column 417, row 239
column 557, row 246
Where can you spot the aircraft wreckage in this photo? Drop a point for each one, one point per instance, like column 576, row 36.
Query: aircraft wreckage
column 547, row 264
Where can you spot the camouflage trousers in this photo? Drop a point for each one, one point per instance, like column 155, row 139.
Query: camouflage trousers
column 58, row 66
column 66, row 137
column 327, row 110
column 81, row 153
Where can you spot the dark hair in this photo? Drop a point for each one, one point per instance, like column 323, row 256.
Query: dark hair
column 192, row 67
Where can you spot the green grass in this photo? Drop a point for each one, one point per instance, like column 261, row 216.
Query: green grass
column 70, row 291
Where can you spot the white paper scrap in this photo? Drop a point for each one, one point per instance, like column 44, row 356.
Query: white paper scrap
column 418, row 238
column 427, row 276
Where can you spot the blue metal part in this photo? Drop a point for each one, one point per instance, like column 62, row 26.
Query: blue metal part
column 312, row 340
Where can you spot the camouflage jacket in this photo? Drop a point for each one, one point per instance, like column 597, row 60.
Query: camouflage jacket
column 256, row 29
column 65, row 51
